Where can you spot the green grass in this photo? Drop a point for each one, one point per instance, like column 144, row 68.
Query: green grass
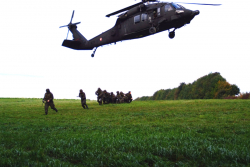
column 142, row 133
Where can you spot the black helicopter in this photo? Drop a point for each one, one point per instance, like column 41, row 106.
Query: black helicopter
column 139, row 20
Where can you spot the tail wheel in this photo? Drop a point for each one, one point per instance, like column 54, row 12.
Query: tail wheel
column 171, row 35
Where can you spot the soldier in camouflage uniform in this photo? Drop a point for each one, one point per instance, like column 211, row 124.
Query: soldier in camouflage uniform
column 122, row 97
column 83, row 99
column 99, row 94
column 118, row 97
column 106, row 97
column 113, row 98
column 48, row 98
column 129, row 97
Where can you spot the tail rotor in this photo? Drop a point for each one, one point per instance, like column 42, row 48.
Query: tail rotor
column 70, row 25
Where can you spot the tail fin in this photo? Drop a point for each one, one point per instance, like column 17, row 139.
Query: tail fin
column 79, row 40
column 77, row 35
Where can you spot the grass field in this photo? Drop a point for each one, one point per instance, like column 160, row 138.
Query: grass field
column 142, row 133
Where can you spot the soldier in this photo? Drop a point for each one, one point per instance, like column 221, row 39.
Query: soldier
column 83, row 99
column 106, row 97
column 129, row 95
column 99, row 94
column 118, row 97
column 113, row 98
column 48, row 98
column 122, row 97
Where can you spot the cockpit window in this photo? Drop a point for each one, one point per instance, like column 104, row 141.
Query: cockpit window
column 176, row 6
column 182, row 7
column 168, row 8
column 137, row 19
column 144, row 17
column 158, row 11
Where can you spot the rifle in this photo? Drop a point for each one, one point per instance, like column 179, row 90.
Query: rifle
column 46, row 101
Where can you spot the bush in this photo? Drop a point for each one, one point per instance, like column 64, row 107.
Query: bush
column 244, row 96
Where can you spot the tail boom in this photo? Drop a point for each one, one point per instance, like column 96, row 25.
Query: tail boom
column 78, row 43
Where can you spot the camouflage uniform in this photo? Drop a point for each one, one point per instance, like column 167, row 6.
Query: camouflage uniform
column 122, row 97
column 106, row 97
column 113, row 98
column 99, row 94
column 118, row 97
column 83, row 99
column 129, row 97
column 48, row 98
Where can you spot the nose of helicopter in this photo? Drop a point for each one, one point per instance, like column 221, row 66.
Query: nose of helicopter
column 196, row 12
column 190, row 15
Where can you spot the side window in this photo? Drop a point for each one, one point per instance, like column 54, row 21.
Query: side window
column 158, row 11
column 144, row 17
column 168, row 8
column 137, row 19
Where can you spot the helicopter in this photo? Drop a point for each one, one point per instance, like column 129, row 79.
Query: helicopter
column 142, row 19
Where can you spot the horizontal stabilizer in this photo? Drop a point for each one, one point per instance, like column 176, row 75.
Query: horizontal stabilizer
column 71, row 44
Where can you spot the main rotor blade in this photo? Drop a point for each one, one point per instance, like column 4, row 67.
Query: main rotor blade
column 200, row 4
column 124, row 9
column 72, row 16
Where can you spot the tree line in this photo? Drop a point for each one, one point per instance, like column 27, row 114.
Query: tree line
column 211, row 86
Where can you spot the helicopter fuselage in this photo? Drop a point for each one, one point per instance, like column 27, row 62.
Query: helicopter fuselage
column 138, row 22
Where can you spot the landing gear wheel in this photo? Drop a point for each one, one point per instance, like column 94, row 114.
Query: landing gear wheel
column 171, row 35
column 93, row 54
column 152, row 30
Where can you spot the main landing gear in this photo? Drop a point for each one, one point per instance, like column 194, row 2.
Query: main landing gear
column 152, row 30
column 171, row 34
column 93, row 54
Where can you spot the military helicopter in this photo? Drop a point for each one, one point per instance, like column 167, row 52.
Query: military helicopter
column 139, row 20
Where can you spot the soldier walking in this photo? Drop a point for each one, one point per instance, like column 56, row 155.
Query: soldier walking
column 83, row 99
column 48, row 99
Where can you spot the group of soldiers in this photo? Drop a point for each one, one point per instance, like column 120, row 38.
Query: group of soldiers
column 48, row 100
column 104, row 97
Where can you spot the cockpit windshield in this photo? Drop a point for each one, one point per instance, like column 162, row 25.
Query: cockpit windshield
column 181, row 6
column 176, row 6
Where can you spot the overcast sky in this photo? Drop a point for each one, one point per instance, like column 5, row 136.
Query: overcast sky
column 32, row 58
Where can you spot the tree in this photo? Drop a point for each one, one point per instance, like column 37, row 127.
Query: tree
column 235, row 90
column 209, row 86
column 223, row 89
